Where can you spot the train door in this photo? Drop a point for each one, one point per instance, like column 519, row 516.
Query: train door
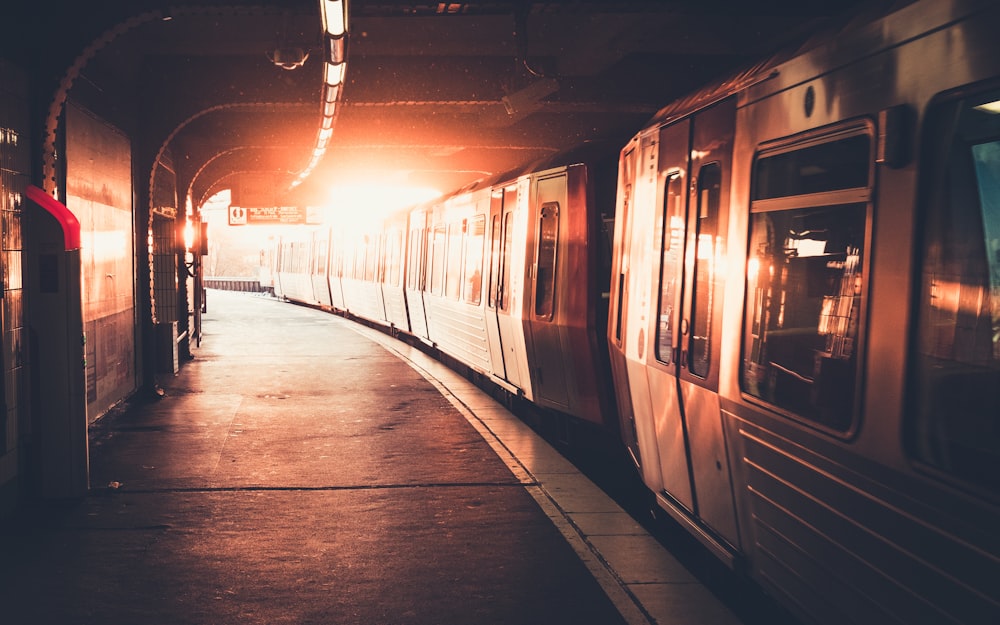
column 495, row 284
column 507, row 320
column 549, row 380
column 374, row 279
column 416, row 273
column 684, row 370
column 617, row 305
column 633, row 309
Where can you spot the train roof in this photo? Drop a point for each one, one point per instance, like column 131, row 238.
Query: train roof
column 593, row 152
column 766, row 68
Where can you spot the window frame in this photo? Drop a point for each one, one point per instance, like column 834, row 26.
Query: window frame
column 544, row 301
column 847, row 197
column 933, row 177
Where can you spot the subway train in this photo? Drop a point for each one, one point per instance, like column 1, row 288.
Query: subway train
column 781, row 296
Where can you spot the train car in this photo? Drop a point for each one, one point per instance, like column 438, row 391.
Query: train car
column 805, row 318
column 360, row 283
column 394, row 232
column 299, row 267
column 508, row 277
column 319, row 268
column 452, row 295
column 416, row 272
column 292, row 279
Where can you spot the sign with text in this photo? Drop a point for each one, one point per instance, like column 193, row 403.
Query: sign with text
column 267, row 215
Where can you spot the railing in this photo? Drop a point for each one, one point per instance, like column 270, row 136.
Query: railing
column 248, row 285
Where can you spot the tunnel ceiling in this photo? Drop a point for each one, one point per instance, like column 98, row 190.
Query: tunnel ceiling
column 436, row 94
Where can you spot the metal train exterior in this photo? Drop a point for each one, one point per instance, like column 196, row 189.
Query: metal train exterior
column 803, row 312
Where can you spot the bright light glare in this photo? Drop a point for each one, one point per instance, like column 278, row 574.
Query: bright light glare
column 188, row 235
column 360, row 207
column 335, row 73
column 334, row 18
column 990, row 107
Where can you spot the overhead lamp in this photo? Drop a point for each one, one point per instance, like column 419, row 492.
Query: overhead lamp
column 335, row 73
column 334, row 14
column 336, row 49
column 989, row 107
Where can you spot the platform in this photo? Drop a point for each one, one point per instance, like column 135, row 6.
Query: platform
column 305, row 469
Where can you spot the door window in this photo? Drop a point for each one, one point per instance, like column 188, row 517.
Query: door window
column 545, row 277
column 671, row 264
column 954, row 389
column 709, row 249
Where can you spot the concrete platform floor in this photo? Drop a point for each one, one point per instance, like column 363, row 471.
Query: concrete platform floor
column 304, row 469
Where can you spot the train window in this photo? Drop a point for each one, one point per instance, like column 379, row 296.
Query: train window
column 436, row 252
column 319, row 258
column 359, row 262
column 954, row 389
column 804, row 278
column 671, row 264
column 371, row 258
column 830, row 166
column 474, row 260
column 709, row 248
column 508, row 225
column 494, row 260
column 413, row 262
column 453, row 272
column 545, row 268
column 393, row 254
column 337, row 262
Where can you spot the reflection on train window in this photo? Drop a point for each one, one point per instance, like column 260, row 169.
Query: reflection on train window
column 828, row 166
column 413, row 278
column 671, row 265
column 545, row 277
column 393, row 253
column 954, row 393
column 805, row 280
column 494, row 260
column 453, row 273
column 319, row 258
column 709, row 249
column 472, row 293
column 508, row 226
column 436, row 252
column 370, row 258
column 337, row 262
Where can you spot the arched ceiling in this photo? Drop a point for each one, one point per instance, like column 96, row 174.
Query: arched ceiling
column 436, row 93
